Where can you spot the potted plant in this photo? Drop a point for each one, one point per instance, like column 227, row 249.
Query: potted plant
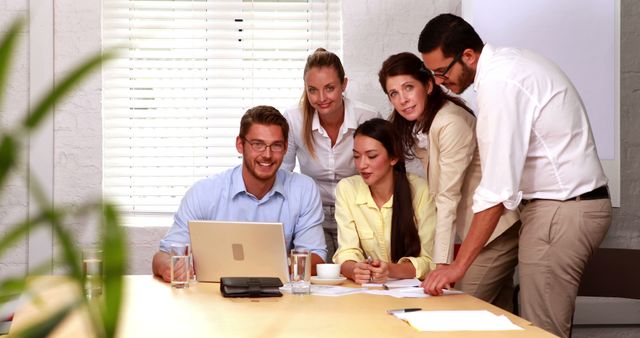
column 103, row 312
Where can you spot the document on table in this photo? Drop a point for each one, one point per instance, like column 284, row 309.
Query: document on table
column 334, row 291
column 327, row 290
column 409, row 292
column 395, row 283
column 437, row 321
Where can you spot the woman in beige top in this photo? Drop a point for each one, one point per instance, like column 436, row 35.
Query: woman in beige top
column 439, row 130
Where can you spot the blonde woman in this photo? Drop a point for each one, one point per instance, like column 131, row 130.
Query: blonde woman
column 321, row 132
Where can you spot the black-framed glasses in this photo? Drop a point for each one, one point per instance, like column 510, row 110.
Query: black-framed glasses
column 443, row 74
column 259, row 146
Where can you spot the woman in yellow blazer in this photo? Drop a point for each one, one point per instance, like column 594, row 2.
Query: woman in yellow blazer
column 386, row 217
column 439, row 129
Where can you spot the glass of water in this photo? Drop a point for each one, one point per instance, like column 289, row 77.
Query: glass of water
column 300, row 271
column 180, row 265
column 92, row 269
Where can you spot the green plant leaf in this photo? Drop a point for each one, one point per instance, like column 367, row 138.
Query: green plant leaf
column 8, row 157
column 44, row 327
column 6, row 53
column 68, row 83
column 114, row 250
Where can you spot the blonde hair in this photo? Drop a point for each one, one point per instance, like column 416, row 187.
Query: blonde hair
column 320, row 58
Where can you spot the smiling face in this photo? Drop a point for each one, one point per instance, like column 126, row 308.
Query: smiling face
column 459, row 76
column 373, row 162
column 324, row 90
column 260, row 167
column 407, row 95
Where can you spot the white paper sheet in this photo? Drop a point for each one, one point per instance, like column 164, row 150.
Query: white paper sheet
column 327, row 290
column 480, row 320
column 395, row 283
column 410, row 292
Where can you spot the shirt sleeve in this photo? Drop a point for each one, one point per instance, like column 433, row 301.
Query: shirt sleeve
column 456, row 145
column 188, row 210
column 308, row 233
column 425, row 211
column 503, row 129
column 348, row 240
column 289, row 161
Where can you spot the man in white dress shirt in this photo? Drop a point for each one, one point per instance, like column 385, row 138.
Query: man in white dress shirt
column 536, row 147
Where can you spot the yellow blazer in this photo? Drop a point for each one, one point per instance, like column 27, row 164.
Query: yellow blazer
column 452, row 168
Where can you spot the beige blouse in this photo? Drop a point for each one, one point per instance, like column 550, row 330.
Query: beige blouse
column 452, row 167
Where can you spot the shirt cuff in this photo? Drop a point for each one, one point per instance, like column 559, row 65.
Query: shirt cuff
column 421, row 265
column 484, row 199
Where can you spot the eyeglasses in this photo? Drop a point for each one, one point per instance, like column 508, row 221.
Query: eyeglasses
column 259, row 146
column 443, row 74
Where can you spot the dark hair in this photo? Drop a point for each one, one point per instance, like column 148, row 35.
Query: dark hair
column 405, row 241
column 451, row 34
column 409, row 64
column 265, row 115
column 320, row 58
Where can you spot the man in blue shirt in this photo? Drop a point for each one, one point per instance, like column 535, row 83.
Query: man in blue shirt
column 256, row 191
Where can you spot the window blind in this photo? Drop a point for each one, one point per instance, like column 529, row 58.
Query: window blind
column 185, row 74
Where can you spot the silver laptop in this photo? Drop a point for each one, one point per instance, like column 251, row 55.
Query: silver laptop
column 238, row 249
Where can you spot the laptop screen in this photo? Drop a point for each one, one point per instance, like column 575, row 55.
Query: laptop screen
column 238, row 249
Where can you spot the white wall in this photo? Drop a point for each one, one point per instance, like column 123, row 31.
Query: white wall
column 13, row 197
column 375, row 29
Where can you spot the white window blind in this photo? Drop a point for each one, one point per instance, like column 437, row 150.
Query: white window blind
column 186, row 73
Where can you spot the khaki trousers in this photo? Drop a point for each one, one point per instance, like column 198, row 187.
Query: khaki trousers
column 556, row 240
column 490, row 277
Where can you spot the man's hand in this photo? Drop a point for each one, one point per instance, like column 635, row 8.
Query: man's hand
column 442, row 278
column 162, row 265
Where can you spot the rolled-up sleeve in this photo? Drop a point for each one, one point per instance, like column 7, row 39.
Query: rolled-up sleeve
column 503, row 130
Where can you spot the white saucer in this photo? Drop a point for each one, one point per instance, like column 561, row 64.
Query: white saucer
column 329, row 281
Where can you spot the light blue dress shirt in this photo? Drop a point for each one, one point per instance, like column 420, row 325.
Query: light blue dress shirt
column 294, row 201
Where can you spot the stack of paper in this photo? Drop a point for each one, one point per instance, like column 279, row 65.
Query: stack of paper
column 481, row 320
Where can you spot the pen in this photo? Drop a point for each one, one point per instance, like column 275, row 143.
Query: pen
column 369, row 261
column 411, row 309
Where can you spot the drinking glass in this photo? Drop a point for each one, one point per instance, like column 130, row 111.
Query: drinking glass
column 180, row 265
column 92, row 269
column 300, row 271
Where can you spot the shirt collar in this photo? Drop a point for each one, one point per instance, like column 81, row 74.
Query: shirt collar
column 238, row 186
column 363, row 196
column 485, row 58
column 350, row 118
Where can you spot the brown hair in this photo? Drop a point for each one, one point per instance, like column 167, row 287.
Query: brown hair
column 320, row 58
column 265, row 115
column 409, row 64
column 405, row 240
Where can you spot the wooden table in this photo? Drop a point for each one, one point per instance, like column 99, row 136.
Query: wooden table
column 153, row 309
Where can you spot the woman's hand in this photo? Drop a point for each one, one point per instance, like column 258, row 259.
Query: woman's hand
column 361, row 272
column 379, row 271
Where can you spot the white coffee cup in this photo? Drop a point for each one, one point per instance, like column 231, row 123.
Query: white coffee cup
column 328, row 271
